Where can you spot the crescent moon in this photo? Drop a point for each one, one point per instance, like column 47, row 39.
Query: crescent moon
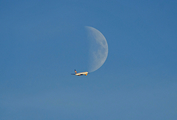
column 98, row 49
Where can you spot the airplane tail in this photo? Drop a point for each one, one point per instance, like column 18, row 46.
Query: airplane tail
column 75, row 71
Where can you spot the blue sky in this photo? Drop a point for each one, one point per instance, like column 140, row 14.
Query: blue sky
column 42, row 42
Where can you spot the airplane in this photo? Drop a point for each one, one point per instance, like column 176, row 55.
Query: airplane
column 81, row 73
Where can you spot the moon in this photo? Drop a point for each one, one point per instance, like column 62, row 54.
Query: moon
column 98, row 49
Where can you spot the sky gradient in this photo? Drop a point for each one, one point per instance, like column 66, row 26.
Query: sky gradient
column 42, row 42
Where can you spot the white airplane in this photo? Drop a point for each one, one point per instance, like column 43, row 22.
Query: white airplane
column 81, row 73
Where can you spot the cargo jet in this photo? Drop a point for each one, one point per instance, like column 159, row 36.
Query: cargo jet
column 79, row 74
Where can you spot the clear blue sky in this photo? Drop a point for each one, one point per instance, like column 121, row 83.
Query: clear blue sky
column 41, row 42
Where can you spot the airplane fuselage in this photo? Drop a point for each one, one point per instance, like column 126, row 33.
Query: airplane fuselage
column 81, row 73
